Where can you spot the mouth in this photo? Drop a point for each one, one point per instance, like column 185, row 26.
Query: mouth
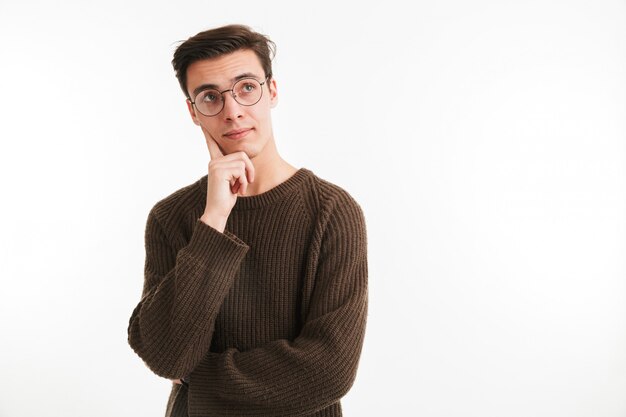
column 237, row 134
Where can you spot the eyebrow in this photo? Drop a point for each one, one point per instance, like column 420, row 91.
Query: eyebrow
column 216, row 87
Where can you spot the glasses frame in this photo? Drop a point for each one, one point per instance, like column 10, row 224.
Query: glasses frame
column 232, row 93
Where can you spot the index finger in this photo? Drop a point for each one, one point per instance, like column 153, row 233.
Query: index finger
column 214, row 149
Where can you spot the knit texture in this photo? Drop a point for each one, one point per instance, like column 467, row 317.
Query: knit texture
column 265, row 319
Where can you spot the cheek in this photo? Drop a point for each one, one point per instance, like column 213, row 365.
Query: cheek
column 262, row 113
column 207, row 129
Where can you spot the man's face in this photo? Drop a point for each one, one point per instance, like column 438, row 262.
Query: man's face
column 254, row 121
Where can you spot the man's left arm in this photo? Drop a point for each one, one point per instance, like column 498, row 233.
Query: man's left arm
column 317, row 368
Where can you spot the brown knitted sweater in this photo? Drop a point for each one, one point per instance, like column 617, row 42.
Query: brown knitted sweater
column 265, row 319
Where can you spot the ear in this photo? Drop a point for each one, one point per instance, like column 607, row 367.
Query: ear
column 273, row 92
column 192, row 112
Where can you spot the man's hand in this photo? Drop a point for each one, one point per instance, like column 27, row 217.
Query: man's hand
column 177, row 381
column 228, row 177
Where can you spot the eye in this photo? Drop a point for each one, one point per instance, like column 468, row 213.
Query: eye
column 210, row 97
column 248, row 87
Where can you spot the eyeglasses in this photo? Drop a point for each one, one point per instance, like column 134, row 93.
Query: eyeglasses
column 246, row 91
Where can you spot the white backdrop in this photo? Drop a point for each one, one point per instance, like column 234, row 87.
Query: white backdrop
column 485, row 141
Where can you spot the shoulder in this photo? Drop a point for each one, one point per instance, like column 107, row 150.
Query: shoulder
column 340, row 232
column 330, row 194
column 332, row 203
column 178, row 205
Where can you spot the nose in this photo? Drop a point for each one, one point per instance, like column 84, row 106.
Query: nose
column 232, row 110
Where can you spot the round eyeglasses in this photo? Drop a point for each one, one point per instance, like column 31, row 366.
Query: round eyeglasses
column 246, row 91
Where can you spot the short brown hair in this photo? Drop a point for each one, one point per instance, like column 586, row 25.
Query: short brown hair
column 221, row 41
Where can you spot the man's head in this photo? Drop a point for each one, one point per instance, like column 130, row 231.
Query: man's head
column 221, row 41
column 210, row 64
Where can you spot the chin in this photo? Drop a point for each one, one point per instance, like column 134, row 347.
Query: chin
column 251, row 151
column 251, row 154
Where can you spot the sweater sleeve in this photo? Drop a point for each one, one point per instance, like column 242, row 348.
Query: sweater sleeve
column 172, row 326
column 317, row 368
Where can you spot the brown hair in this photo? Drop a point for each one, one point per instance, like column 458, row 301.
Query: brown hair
column 221, row 41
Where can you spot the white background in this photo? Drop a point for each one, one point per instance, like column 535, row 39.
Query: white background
column 484, row 140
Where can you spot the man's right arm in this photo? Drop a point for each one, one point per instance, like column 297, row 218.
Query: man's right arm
column 172, row 325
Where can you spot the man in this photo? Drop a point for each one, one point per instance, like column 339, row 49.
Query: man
column 255, row 290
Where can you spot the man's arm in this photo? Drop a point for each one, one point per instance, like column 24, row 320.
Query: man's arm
column 182, row 293
column 299, row 377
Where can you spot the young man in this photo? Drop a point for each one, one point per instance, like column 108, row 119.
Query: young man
column 255, row 290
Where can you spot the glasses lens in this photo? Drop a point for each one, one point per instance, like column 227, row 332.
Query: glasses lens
column 247, row 91
column 209, row 102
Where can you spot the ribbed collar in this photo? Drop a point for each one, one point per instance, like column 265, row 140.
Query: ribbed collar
column 268, row 197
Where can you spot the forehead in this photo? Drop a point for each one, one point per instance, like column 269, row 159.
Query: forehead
column 222, row 70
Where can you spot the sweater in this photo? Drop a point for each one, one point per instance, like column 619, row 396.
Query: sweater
column 265, row 319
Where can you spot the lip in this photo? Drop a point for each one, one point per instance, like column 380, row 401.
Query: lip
column 238, row 133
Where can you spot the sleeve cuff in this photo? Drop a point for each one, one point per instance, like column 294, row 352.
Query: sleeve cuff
column 208, row 245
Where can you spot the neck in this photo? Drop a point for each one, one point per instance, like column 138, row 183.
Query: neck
column 269, row 170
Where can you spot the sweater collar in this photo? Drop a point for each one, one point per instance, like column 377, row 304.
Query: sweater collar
column 283, row 189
